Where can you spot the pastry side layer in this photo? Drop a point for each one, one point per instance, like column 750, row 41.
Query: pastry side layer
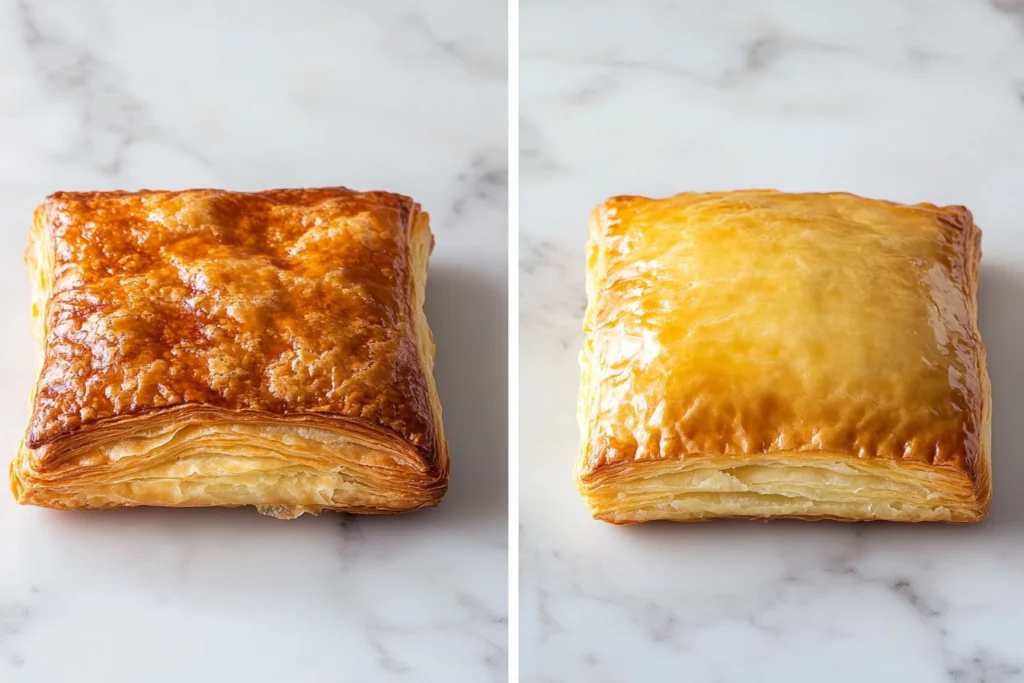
column 782, row 484
column 205, row 304
column 195, row 457
column 761, row 325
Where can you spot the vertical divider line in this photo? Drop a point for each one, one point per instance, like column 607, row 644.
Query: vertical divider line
column 513, row 340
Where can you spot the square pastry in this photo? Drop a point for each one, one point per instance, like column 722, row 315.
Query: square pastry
column 758, row 354
column 213, row 348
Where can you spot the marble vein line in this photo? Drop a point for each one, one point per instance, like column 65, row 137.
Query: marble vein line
column 485, row 180
column 111, row 119
column 474, row 63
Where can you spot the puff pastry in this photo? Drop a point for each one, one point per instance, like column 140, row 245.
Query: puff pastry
column 757, row 354
column 213, row 348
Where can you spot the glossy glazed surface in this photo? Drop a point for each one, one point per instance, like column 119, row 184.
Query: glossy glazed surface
column 217, row 348
column 756, row 322
column 282, row 301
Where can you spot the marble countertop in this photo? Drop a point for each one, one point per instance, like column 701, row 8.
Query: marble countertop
column 404, row 96
column 911, row 101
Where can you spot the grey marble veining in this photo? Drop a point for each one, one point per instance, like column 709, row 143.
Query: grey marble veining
column 910, row 101
column 403, row 96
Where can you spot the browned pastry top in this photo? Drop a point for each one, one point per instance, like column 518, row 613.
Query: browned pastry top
column 285, row 301
column 755, row 322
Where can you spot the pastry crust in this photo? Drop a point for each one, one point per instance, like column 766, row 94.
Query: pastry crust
column 758, row 354
column 221, row 348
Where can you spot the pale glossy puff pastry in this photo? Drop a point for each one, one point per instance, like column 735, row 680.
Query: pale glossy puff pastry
column 757, row 354
column 213, row 348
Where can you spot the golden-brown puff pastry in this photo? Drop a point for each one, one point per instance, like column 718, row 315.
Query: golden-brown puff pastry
column 213, row 348
column 758, row 354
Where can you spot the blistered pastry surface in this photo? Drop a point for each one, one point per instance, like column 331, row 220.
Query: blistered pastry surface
column 287, row 301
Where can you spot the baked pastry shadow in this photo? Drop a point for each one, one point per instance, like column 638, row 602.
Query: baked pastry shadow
column 468, row 315
column 1001, row 322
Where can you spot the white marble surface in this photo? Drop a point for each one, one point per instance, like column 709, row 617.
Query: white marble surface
column 908, row 100
column 405, row 96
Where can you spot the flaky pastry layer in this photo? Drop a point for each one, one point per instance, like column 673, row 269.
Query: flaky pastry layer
column 191, row 457
column 794, row 485
column 761, row 354
column 207, row 348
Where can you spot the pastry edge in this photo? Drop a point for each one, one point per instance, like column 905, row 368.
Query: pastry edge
column 611, row 493
column 39, row 261
column 590, row 467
